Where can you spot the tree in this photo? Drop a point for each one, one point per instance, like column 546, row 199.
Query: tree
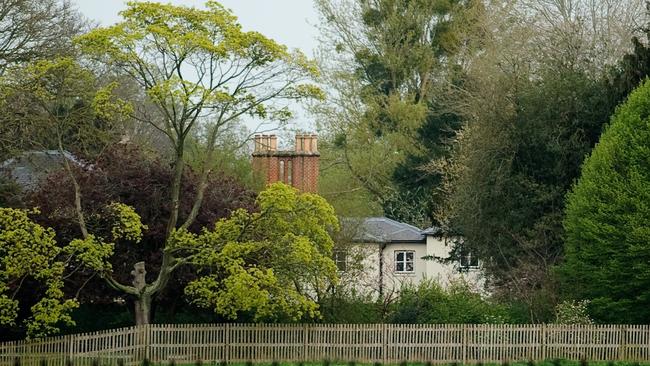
column 58, row 105
column 386, row 63
column 198, row 68
column 36, row 29
column 30, row 253
column 534, row 103
column 606, row 215
column 125, row 173
column 268, row 261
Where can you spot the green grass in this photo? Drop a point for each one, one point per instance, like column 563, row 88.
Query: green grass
column 340, row 363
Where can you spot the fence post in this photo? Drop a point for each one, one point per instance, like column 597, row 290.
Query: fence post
column 622, row 349
column 465, row 344
column 384, row 343
column 71, row 347
column 226, row 346
column 305, row 341
column 147, row 341
column 542, row 340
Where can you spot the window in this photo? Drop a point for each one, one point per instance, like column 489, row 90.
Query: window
column 289, row 172
column 341, row 260
column 468, row 261
column 281, row 175
column 404, row 261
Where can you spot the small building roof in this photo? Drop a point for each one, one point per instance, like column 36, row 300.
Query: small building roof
column 31, row 166
column 382, row 230
column 433, row 230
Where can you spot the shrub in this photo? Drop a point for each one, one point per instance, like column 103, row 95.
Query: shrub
column 430, row 303
column 607, row 244
column 572, row 312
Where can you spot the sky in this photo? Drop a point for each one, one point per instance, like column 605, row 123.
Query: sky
column 290, row 22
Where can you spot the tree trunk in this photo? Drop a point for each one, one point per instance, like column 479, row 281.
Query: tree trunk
column 143, row 310
column 143, row 301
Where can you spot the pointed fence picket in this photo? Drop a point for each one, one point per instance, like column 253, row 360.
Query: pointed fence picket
column 388, row 343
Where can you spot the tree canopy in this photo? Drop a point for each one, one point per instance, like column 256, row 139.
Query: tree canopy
column 200, row 71
column 606, row 219
column 385, row 60
column 29, row 252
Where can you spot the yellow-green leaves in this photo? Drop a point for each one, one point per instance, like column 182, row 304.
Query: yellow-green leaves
column 27, row 250
column 92, row 252
column 195, row 63
column 127, row 224
column 108, row 107
column 58, row 103
column 267, row 262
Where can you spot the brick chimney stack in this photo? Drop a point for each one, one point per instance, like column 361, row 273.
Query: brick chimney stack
column 298, row 167
column 266, row 143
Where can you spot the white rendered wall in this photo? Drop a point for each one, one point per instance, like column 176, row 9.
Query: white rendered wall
column 366, row 278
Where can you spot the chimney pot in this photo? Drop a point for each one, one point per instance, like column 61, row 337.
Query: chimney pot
column 273, row 143
column 258, row 143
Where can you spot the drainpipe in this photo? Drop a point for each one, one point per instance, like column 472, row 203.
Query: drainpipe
column 381, row 270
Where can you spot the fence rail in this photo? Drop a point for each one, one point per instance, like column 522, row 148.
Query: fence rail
column 388, row 343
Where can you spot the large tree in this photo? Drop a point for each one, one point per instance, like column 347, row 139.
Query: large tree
column 128, row 174
column 607, row 216
column 535, row 102
column 37, row 29
column 199, row 69
column 386, row 62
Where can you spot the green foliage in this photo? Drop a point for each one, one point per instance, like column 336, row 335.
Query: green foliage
column 606, row 227
column 430, row 303
column 58, row 104
column 29, row 251
column 158, row 43
column 126, row 223
column 10, row 193
column 339, row 186
column 350, row 308
column 95, row 252
column 387, row 62
column 572, row 312
column 266, row 262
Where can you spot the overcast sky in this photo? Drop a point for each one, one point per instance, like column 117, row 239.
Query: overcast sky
column 290, row 22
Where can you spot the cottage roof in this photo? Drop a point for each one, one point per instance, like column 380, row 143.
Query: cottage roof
column 381, row 230
column 31, row 166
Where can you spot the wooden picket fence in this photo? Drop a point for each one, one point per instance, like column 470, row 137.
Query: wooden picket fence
column 387, row 343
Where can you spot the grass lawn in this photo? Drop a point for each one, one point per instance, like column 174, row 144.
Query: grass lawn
column 545, row 363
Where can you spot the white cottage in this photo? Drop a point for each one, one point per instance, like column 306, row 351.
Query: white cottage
column 382, row 255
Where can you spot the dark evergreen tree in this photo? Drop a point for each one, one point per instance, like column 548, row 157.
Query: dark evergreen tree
column 607, row 215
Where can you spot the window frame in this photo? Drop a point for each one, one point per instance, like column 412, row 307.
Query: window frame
column 337, row 259
column 405, row 261
column 468, row 257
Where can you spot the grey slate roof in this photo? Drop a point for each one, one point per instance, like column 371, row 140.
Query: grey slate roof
column 31, row 166
column 434, row 230
column 381, row 230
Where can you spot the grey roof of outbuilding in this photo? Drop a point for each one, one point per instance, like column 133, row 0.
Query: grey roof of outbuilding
column 433, row 230
column 31, row 166
column 381, row 230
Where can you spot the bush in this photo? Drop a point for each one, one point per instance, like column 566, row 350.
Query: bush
column 430, row 303
column 350, row 308
column 572, row 312
column 607, row 244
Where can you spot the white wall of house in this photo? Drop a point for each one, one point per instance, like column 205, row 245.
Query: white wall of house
column 366, row 280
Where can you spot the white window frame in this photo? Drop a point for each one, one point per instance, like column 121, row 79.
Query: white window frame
column 341, row 256
column 405, row 261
